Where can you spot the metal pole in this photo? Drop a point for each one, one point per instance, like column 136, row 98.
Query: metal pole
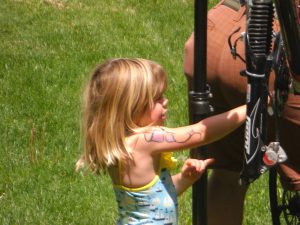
column 200, row 32
column 200, row 108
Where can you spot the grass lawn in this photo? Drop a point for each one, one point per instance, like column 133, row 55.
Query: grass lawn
column 47, row 49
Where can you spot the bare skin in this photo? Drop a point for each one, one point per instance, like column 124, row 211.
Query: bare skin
column 149, row 142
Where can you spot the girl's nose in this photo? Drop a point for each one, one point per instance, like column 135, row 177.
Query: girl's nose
column 165, row 102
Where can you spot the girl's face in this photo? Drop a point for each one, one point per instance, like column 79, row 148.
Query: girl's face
column 157, row 115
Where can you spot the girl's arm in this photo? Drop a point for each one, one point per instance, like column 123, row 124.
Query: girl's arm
column 190, row 172
column 161, row 139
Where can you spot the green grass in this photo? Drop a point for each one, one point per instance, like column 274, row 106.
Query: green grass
column 47, row 49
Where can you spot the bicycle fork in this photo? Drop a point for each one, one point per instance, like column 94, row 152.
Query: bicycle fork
column 258, row 157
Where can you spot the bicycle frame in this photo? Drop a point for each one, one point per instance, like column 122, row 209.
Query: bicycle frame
column 259, row 157
column 258, row 64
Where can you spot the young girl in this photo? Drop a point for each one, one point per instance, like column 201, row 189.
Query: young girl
column 124, row 114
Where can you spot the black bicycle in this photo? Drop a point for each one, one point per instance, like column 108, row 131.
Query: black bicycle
column 261, row 58
column 265, row 50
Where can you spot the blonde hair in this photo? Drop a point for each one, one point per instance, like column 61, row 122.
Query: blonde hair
column 119, row 92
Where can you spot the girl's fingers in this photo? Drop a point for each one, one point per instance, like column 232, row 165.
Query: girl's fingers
column 189, row 165
column 201, row 165
column 209, row 161
column 195, row 165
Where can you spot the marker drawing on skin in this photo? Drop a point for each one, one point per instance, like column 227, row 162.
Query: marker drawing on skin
column 161, row 135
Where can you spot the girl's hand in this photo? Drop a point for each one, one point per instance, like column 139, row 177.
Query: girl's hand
column 194, row 168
